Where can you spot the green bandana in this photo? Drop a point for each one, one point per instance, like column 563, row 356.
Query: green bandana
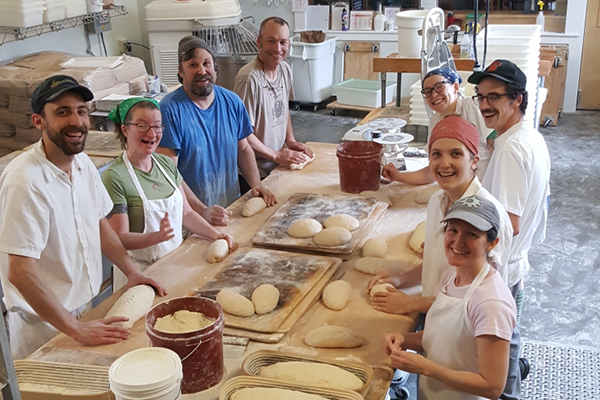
column 118, row 114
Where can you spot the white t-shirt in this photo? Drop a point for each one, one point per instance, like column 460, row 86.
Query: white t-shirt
column 467, row 109
column 267, row 103
column 435, row 263
column 55, row 220
column 519, row 177
column 491, row 310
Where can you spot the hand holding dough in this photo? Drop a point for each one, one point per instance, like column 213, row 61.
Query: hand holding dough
column 305, row 228
column 333, row 336
column 265, row 298
column 374, row 247
column 217, row 251
column 342, row 220
column 234, row 303
column 380, row 287
column 133, row 304
column 253, row 206
column 418, row 238
column 302, row 165
column 334, row 236
column 336, row 295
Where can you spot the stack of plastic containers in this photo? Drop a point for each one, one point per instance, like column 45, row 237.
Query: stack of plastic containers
column 73, row 8
column 521, row 45
column 55, row 10
column 21, row 13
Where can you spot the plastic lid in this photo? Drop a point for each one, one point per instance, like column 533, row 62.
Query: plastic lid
column 145, row 369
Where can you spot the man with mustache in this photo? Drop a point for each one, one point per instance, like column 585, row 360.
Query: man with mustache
column 518, row 175
column 206, row 131
column 53, row 229
column 265, row 87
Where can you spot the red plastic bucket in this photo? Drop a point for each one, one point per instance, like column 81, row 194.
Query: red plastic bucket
column 201, row 351
column 360, row 165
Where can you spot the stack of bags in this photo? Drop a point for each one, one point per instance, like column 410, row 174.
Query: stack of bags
column 19, row 79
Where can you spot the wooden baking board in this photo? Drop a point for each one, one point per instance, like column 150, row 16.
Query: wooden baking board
column 274, row 235
column 247, row 268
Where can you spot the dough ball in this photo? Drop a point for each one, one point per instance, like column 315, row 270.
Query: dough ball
column 418, row 238
column 424, row 195
column 253, row 206
column 265, row 298
column 302, row 165
column 380, row 287
column 269, row 393
column 182, row 321
column 378, row 195
column 337, row 294
column 305, row 228
column 312, row 374
column 234, row 303
column 342, row 220
column 377, row 266
column 335, row 236
column 374, row 247
column 133, row 304
column 333, row 336
column 217, row 251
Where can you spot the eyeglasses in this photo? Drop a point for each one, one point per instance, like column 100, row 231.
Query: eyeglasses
column 438, row 87
column 491, row 98
column 145, row 127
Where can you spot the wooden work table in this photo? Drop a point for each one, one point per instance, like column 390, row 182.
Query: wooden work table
column 186, row 269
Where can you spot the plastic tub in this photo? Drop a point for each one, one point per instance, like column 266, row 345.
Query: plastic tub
column 409, row 41
column 146, row 374
column 31, row 16
column 362, row 92
column 201, row 351
column 312, row 69
column 54, row 13
column 360, row 166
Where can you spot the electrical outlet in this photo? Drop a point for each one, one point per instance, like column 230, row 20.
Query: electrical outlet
column 123, row 45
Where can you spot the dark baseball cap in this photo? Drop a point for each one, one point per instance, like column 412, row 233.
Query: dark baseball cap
column 53, row 87
column 477, row 211
column 503, row 70
column 190, row 42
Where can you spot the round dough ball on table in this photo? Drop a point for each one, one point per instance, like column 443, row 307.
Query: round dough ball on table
column 235, row 304
column 418, row 238
column 253, row 206
column 265, row 298
column 270, row 393
column 424, row 195
column 333, row 336
column 335, row 236
column 217, row 251
column 312, row 374
column 342, row 220
column 336, row 295
column 380, row 287
column 133, row 304
column 374, row 247
column 305, row 228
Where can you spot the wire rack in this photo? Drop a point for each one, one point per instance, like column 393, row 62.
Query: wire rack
column 8, row 34
column 230, row 40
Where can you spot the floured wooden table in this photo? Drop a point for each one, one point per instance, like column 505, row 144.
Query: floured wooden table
column 186, row 269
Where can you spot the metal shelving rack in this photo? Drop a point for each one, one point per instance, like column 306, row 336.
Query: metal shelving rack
column 8, row 34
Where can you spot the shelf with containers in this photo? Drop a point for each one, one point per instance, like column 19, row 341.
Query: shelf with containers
column 10, row 34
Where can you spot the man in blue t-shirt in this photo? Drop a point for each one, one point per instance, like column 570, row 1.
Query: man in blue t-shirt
column 205, row 133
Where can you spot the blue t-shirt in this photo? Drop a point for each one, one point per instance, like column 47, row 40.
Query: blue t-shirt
column 206, row 142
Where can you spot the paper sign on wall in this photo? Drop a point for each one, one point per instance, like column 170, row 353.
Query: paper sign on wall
column 390, row 17
column 361, row 20
column 299, row 5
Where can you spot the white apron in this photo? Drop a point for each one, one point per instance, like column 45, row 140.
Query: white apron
column 449, row 340
column 154, row 212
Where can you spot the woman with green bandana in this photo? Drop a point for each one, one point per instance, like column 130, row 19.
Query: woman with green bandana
column 150, row 207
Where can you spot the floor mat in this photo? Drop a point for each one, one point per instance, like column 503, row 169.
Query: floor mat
column 561, row 372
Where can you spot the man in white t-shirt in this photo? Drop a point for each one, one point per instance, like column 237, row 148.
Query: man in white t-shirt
column 518, row 174
column 53, row 229
column 265, row 87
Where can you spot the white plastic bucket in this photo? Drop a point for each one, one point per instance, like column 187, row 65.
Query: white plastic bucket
column 409, row 41
column 94, row 5
column 312, row 69
column 152, row 373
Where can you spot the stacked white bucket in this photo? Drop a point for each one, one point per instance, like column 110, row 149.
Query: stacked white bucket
column 21, row 13
column 55, row 10
column 521, row 45
column 74, row 8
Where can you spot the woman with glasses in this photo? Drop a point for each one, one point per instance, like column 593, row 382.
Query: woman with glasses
column 150, row 206
column 441, row 93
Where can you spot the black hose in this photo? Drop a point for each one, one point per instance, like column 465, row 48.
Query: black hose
column 485, row 35
column 476, row 66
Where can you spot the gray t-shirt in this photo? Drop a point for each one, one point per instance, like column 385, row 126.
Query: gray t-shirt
column 267, row 103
